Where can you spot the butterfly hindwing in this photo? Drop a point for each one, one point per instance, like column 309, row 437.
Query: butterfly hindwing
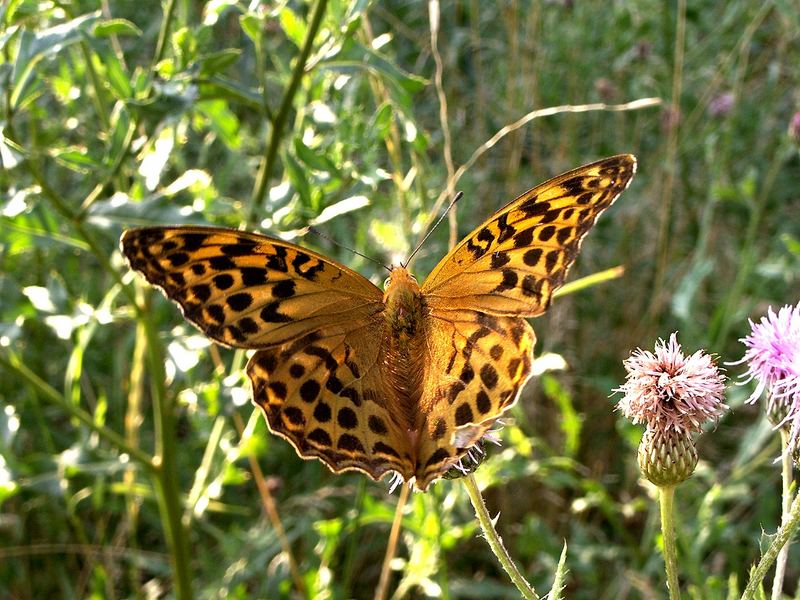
column 326, row 394
column 511, row 264
column 477, row 366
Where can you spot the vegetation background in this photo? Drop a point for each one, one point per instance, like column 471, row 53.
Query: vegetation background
column 354, row 116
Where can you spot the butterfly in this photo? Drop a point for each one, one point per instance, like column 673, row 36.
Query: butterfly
column 404, row 380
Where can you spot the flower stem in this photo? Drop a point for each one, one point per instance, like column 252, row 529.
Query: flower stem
column 786, row 504
column 391, row 547
column 783, row 535
column 665, row 497
column 495, row 542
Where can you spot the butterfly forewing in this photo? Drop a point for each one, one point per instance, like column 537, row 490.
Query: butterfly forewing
column 511, row 264
column 247, row 290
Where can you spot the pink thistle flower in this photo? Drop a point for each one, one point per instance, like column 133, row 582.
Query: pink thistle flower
column 670, row 391
column 773, row 360
column 794, row 127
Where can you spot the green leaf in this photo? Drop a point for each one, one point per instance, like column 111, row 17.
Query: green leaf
column 222, row 120
column 558, row 578
column 211, row 64
column 401, row 85
column 298, row 178
column 293, row 26
column 117, row 77
column 252, row 25
column 77, row 159
column 115, row 27
column 33, row 47
column 224, row 89
column 315, row 160
column 570, row 420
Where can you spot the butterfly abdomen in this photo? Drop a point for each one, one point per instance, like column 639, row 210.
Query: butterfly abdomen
column 405, row 340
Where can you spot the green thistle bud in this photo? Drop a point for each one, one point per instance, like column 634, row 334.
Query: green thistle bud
column 469, row 463
column 667, row 458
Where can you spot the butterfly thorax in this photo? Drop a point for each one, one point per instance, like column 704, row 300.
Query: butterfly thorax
column 405, row 339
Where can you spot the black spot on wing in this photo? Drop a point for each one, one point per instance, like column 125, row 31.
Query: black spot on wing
column 439, row 456
column 322, row 412
column 252, row 276
column 301, row 266
column 349, row 443
column 463, row 414
column 221, row 263
column 309, row 391
column 509, row 281
column 377, row 425
column 277, row 261
column 270, row 314
column 193, row 241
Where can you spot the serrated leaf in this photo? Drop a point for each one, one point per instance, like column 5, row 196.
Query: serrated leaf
column 559, row 576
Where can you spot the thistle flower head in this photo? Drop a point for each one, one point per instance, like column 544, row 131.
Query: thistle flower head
column 773, row 361
column 668, row 390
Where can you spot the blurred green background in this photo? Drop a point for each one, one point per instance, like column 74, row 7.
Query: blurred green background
column 354, row 116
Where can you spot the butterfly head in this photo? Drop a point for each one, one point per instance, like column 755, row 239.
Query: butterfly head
column 400, row 278
column 403, row 300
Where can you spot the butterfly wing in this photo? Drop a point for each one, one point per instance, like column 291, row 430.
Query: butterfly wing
column 248, row 290
column 325, row 393
column 512, row 263
column 477, row 366
column 480, row 349
column 317, row 326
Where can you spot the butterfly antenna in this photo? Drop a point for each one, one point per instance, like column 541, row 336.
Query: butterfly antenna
column 456, row 198
column 316, row 231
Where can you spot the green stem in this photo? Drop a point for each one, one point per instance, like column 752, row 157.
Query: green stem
column 495, row 541
column 666, row 496
column 161, row 44
column 783, row 535
column 268, row 161
column 167, row 488
column 786, row 504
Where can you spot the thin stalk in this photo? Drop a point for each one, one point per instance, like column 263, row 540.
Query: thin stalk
column 670, row 162
column 271, row 508
column 666, row 496
column 161, row 44
column 786, row 505
column 271, row 154
column 447, row 150
column 781, row 538
column 495, row 541
column 391, row 547
column 167, row 490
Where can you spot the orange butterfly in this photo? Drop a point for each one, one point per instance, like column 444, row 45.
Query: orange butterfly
column 403, row 380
